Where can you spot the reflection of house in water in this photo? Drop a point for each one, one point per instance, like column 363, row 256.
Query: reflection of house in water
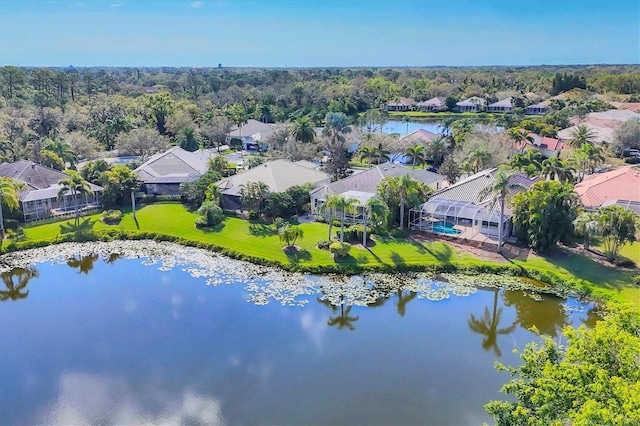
column 39, row 199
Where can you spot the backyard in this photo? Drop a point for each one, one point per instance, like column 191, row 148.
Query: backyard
column 258, row 240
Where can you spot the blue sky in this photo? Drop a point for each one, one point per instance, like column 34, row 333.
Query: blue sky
column 304, row 33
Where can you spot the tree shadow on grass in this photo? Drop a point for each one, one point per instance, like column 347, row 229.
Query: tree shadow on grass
column 260, row 229
column 85, row 225
column 396, row 258
column 213, row 229
column 296, row 255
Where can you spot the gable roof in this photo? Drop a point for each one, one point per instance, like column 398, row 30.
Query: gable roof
column 278, row 175
column 402, row 102
column 32, row 174
column 619, row 184
column 601, row 134
column 252, row 127
column 419, row 135
column 471, row 188
column 472, row 101
column 614, row 114
column 507, row 102
column 437, row 101
column 175, row 162
column 368, row 180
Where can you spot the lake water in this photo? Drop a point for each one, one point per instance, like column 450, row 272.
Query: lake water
column 130, row 341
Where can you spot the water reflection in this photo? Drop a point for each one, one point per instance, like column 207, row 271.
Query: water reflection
column 547, row 316
column 401, row 304
column 487, row 325
column 83, row 263
column 15, row 281
column 344, row 320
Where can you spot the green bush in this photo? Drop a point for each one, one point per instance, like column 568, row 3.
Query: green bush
column 111, row 217
column 10, row 224
column 636, row 280
column 211, row 214
column 202, row 222
column 323, row 244
column 253, row 215
column 340, row 249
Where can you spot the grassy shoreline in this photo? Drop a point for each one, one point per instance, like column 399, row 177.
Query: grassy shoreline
column 256, row 242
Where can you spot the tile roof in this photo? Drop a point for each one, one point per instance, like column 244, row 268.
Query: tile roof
column 368, row 180
column 421, row 135
column 279, row 175
column 619, row 184
column 552, row 144
column 471, row 188
column 602, row 134
column 175, row 161
column 32, row 174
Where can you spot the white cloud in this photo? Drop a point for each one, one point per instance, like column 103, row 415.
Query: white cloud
column 196, row 4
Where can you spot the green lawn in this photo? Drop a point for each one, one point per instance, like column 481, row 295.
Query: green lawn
column 258, row 240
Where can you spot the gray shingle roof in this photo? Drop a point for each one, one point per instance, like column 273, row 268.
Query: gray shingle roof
column 252, row 127
column 507, row 102
column 472, row 101
column 33, row 175
column 368, row 180
column 175, row 161
column 470, row 189
column 50, row 192
column 279, row 175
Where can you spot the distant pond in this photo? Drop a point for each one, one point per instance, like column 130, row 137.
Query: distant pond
column 98, row 336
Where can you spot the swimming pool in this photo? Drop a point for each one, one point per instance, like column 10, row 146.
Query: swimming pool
column 444, row 228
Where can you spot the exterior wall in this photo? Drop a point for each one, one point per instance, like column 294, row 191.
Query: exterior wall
column 500, row 109
column 162, row 188
column 536, row 110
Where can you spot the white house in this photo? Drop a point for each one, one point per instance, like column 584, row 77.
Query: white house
column 504, row 105
column 252, row 134
column 473, row 104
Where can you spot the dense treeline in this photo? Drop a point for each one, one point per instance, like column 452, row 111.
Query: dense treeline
column 62, row 115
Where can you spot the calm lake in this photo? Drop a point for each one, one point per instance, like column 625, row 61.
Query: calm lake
column 103, row 340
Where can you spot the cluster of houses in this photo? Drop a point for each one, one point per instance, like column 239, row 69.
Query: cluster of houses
column 472, row 104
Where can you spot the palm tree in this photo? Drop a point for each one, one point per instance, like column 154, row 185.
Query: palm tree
column 75, row 184
column 587, row 225
column 582, row 135
column 8, row 196
column 554, row 167
column 188, row 139
column 290, row 234
column 407, row 120
column 376, row 210
column 487, row 325
column 478, row 158
column 445, row 125
column 530, row 163
column 517, row 135
column 499, row 192
column 335, row 126
column 380, row 153
column 366, row 153
column 302, row 130
column 343, row 205
column 594, row 156
column 437, row 150
column 63, row 150
column 405, row 184
column 14, row 289
column 252, row 194
column 416, row 154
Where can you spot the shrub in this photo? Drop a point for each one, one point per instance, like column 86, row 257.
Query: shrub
column 111, row 217
column 253, row 215
column 323, row 244
column 636, row 280
column 10, row 224
column 340, row 249
column 211, row 213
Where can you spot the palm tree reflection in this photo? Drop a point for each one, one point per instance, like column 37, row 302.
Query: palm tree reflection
column 83, row 263
column 403, row 300
column 487, row 325
column 344, row 320
column 15, row 281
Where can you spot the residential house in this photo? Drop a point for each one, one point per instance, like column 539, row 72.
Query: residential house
column 278, row 175
column 464, row 210
column 504, row 105
column 401, row 104
column 620, row 187
column 163, row 173
column 548, row 147
column 473, row 104
column 420, row 136
column 436, row 104
column 600, row 134
column 253, row 134
column 39, row 197
column 364, row 185
column 540, row 108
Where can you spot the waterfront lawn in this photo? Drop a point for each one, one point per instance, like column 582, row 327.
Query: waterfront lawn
column 258, row 239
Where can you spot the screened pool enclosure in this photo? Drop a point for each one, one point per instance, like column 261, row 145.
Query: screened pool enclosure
column 463, row 219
